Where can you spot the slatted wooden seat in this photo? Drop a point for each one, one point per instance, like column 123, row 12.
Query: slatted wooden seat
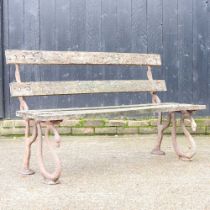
column 109, row 111
column 48, row 118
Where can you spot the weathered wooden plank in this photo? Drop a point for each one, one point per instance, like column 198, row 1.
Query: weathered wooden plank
column 60, row 114
column 124, row 25
column 170, row 49
column 63, row 11
column 1, row 62
column 154, row 34
column 77, row 33
column 6, row 75
column 123, row 43
column 93, row 25
column 139, row 41
column 84, row 87
column 17, row 19
column 47, row 24
column 93, row 43
column 207, row 80
column 70, row 57
column 200, row 49
column 109, row 44
column 15, row 32
column 31, row 30
column 185, row 51
column 109, row 25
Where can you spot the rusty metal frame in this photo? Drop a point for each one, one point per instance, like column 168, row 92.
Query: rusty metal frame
column 30, row 138
column 49, row 178
column 192, row 145
column 172, row 118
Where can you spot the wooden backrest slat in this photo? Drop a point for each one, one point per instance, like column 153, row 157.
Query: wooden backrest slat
column 84, row 87
column 82, row 58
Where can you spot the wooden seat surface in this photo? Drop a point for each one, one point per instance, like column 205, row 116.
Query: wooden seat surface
column 76, row 113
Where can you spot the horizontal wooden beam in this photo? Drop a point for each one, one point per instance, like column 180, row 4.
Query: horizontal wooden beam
column 84, row 87
column 107, row 112
column 82, row 58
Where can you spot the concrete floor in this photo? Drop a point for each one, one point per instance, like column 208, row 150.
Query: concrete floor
column 110, row 173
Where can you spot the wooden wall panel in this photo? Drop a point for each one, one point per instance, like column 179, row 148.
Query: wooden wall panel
column 178, row 29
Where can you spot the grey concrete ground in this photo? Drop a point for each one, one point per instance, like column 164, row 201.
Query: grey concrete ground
column 109, row 173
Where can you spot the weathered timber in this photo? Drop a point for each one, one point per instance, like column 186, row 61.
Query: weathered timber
column 84, row 87
column 70, row 57
column 77, row 113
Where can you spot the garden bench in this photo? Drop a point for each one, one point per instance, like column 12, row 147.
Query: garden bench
column 47, row 119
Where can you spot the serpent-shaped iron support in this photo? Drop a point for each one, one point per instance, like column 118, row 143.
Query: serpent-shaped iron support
column 190, row 139
column 161, row 127
column 49, row 178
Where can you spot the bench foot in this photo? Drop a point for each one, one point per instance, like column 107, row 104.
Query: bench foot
column 51, row 182
column 157, row 152
column 27, row 171
column 49, row 178
column 192, row 145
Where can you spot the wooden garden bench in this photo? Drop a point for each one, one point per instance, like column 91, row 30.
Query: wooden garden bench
column 48, row 118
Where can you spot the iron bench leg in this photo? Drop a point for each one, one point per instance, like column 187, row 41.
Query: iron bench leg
column 190, row 139
column 161, row 127
column 27, row 151
column 49, row 178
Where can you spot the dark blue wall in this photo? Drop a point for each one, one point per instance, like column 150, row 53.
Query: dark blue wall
column 177, row 29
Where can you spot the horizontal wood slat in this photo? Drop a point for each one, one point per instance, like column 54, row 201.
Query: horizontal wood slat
column 84, row 87
column 109, row 111
column 70, row 57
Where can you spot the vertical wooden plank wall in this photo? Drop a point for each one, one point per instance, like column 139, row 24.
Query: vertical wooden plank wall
column 1, row 62
column 109, row 42
column 62, row 41
column 155, row 34
column 208, row 54
column 6, row 68
column 170, row 49
column 93, row 43
column 123, row 44
column 15, row 21
column 31, row 34
column 200, row 49
column 178, row 29
column 48, row 26
column 77, row 42
column 185, row 50
column 138, row 41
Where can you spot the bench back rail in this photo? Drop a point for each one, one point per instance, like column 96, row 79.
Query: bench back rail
column 43, row 88
column 81, row 58
column 84, row 87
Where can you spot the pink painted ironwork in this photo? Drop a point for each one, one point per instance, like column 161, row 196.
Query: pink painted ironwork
column 29, row 140
column 163, row 126
column 50, row 178
column 192, row 145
